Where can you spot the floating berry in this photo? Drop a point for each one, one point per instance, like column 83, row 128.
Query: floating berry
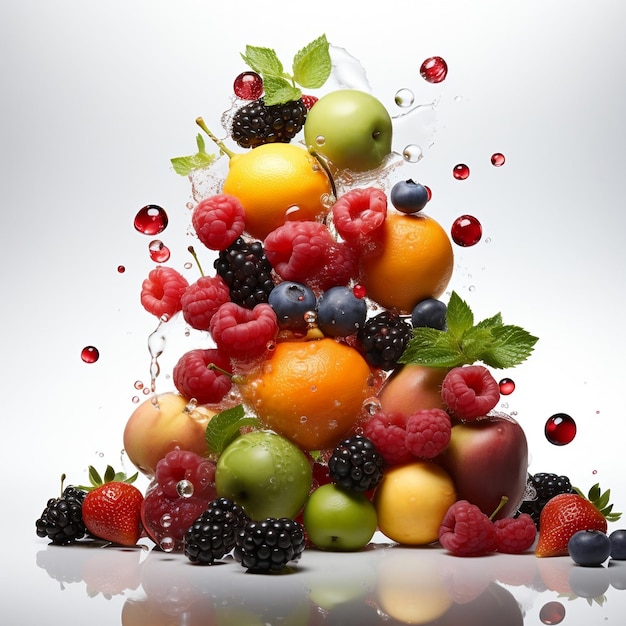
column 201, row 300
column 158, row 251
column 470, row 392
column 428, row 432
column 151, row 220
column 466, row 231
column 90, row 354
column 218, row 221
column 162, row 291
column 195, row 377
column 515, row 535
column 507, row 386
column 461, row 171
column 497, row 159
column 560, row 429
column 466, row 531
column 434, row 69
column 248, row 86
column 359, row 213
column 387, row 431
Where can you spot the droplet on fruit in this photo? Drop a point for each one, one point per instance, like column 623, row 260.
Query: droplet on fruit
column 90, row 354
column 560, row 429
column 248, row 86
column 166, row 520
column 460, row 171
column 320, row 140
column 412, row 153
column 184, row 488
column 497, row 159
column 466, row 231
column 151, row 220
column 552, row 613
column 507, row 386
column 159, row 252
column 404, row 98
column 434, row 70
column 167, row 544
column 121, row 269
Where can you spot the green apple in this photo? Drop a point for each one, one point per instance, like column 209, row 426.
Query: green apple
column 339, row 520
column 265, row 473
column 351, row 128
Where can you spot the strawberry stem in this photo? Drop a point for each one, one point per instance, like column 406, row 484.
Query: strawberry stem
column 503, row 501
column 219, row 143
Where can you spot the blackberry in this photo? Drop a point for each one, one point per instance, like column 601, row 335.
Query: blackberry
column 546, row 486
column 256, row 123
column 267, row 546
column 245, row 269
column 62, row 519
column 382, row 339
column 212, row 535
column 356, row 465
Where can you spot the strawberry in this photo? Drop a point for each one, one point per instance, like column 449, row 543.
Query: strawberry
column 112, row 507
column 566, row 514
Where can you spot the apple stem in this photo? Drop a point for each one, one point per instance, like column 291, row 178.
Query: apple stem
column 218, row 142
column 192, row 251
column 503, row 501
column 322, row 161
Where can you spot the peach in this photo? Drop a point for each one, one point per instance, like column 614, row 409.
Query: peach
column 161, row 424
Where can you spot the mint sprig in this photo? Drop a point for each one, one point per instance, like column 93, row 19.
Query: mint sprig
column 186, row 164
column 311, row 67
column 225, row 427
column 463, row 342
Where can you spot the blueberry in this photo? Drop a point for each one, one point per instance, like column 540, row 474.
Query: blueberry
column 291, row 301
column 589, row 548
column 430, row 313
column 340, row 313
column 618, row 544
column 408, row 196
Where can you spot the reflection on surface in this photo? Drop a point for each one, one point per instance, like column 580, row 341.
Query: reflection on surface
column 384, row 584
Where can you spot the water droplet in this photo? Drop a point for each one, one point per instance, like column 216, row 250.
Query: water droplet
column 412, row 153
column 552, row 613
column 434, row 70
column 159, row 252
column 166, row 520
column 560, row 429
column 497, row 159
column 90, row 354
column 461, row 171
column 188, row 265
column 466, row 231
column 151, row 220
column 135, row 399
column 507, row 386
column 310, row 317
column 594, row 472
column 248, row 86
column 167, row 544
column 121, row 269
column 320, row 140
column 303, row 419
column 184, row 488
column 371, row 405
column 138, row 384
column 404, row 97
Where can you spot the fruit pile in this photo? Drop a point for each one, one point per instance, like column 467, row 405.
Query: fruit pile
column 340, row 394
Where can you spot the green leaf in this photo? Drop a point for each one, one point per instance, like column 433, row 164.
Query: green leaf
column 432, row 347
column 474, row 340
column 279, row 90
column 459, row 316
column 225, row 427
column 312, row 64
column 94, row 477
column 263, row 60
column 186, row 164
column 510, row 346
column 491, row 322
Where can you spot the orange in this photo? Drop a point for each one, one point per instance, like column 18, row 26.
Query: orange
column 311, row 392
column 415, row 262
column 277, row 182
column 411, row 501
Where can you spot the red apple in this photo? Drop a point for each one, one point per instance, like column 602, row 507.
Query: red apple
column 161, row 424
column 488, row 459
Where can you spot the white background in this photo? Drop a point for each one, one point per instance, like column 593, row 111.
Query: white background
column 97, row 96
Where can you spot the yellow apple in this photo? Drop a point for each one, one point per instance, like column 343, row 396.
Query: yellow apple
column 161, row 424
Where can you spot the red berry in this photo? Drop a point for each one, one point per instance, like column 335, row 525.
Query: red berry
column 244, row 334
column 360, row 212
column 388, row 433
column 195, row 379
column 179, row 465
column 428, row 432
column 309, row 101
column 515, row 535
column 466, row 531
column 218, row 221
column 162, row 291
column 248, row 86
column 470, row 392
column 202, row 298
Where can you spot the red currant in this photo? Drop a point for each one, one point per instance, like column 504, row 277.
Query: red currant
column 248, row 86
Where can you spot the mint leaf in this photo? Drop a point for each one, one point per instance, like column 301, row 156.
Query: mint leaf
column 459, row 316
column 278, row 90
column 185, row 165
column 432, row 347
column 510, row 346
column 263, row 61
column 224, row 428
column 312, row 64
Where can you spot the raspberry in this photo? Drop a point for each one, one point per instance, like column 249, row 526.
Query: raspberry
column 308, row 101
column 256, row 123
column 428, row 432
column 470, row 392
column 383, row 338
column 359, row 213
column 179, row 465
column 267, row 546
column 356, row 465
column 466, row 531
column 162, row 291
column 201, row 299
column 247, row 272
column 195, row 379
column 515, row 535
column 543, row 486
column 212, row 535
column 243, row 334
column 388, row 433
column 218, row 221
